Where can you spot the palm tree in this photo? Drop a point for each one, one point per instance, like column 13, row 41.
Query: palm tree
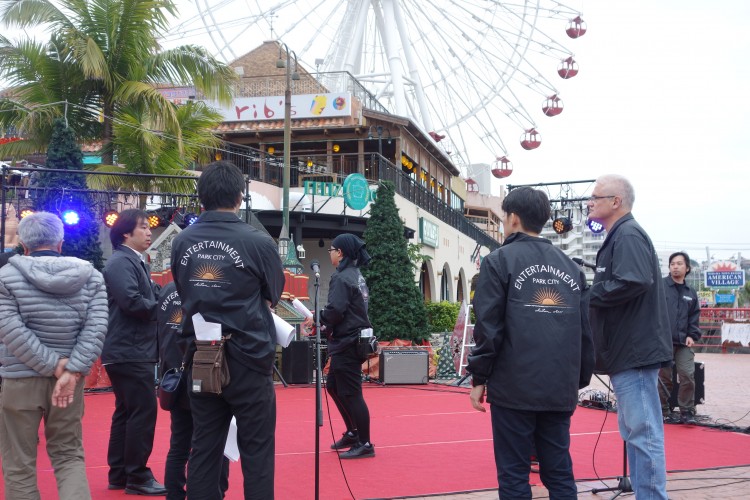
column 105, row 61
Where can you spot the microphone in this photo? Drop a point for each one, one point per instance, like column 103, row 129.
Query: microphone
column 315, row 266
column 583, row 263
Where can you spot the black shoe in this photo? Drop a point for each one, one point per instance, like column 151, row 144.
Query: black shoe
column 359, row 450
column 151, row 488
column 347, row 440
column 688, row 418
column 113, row 486
column 672, row 418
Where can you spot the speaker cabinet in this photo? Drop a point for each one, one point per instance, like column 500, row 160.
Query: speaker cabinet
column 700, row 390
column 297, row 362
column 400, row 366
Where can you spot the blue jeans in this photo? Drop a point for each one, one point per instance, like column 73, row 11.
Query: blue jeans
column 641, row 427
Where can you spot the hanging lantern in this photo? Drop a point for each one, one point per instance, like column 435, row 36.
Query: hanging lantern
column 576, row 27
column 501, row 168
column 552, row 106
column 531, row 139
column 568, row 68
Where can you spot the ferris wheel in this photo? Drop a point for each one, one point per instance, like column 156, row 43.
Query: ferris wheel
column 473, row 74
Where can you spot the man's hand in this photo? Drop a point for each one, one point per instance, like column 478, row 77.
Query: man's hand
column 689, row 342
column 308, row 323
column 477, row 398
column 61, row 363
column 63, row 393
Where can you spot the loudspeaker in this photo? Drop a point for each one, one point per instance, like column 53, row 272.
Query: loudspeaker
column 700, row 390
column 297, row 362
column 398, row 366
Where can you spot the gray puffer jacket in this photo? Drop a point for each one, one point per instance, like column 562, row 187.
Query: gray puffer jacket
column 51, row 307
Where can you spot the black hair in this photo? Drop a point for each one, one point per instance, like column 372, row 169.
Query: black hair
column 126, row 223
column 684, row 256
column 530, row 205
column 221, row 185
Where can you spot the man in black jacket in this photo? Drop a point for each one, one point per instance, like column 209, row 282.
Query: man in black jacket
column 231, row 274
column 130, row 355
column 631, row 330
column 533, row 349
column 684, row 321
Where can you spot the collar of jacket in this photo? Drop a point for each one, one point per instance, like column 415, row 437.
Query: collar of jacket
column 670, row 282
column 44, row 253
column 524, row 237
column 622, row 220
column 219, row 216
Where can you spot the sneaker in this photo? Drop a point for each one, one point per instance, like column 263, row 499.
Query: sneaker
column 359, row 450
column 671, row 418
column 347, row 440
column 688, row 418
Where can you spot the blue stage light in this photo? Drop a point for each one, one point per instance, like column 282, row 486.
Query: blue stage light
column 190, row 219
column 70, row 217
column 595, row 226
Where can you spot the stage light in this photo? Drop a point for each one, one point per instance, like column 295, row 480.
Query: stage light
column 26, row 211
column 595, row 226
column 190, row 219
column 154, row 220
column 271, row 150
column 70, row 217
column 336, row 148
column 562, row 225
column 110, row 217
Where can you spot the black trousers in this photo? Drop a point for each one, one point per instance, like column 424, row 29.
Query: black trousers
column 131, row 437
column 344, row 384
column 250, row 397
column 515, row 433
column 179, row 451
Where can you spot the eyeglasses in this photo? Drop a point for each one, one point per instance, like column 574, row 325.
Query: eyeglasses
column 333, row 249
column 594, row 197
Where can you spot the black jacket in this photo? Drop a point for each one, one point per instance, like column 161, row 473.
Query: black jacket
column 533, row 342
column 346, row 313
column 684, row 311
column 230, row 272
column 168, row 321
column 131, row 335
column 628, row 309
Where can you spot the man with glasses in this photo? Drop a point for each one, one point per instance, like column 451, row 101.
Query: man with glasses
column 631, row 330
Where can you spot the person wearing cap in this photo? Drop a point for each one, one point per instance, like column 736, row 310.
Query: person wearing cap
column 343, row 320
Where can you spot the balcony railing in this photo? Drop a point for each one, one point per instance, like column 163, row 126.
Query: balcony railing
column 335, row 167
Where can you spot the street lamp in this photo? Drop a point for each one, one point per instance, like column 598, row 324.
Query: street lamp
column 281, row 63
column 379, row 129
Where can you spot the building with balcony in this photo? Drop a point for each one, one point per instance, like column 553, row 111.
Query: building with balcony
column 343, row 140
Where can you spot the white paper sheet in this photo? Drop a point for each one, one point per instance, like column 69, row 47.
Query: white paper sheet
column 284, row 331
column 300, row 307
column 205, row 330
column 231, row 450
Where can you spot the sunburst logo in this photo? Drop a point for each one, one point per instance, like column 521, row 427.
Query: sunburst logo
column 724, row 266
column 176, row 317
column 548, row 297
column 209, row 272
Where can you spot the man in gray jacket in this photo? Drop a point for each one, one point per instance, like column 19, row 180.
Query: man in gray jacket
column 54, row 312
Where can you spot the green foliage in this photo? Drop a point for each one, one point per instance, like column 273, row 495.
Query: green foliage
column 442, row 315
column 396, row 308
column 82, row 239
column 416, row 257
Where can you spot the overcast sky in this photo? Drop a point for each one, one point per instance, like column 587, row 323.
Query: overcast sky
column 661, row 98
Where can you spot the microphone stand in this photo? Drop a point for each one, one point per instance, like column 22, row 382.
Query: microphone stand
column 318, row 388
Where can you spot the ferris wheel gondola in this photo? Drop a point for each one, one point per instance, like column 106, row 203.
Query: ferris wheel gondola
column 464, row 71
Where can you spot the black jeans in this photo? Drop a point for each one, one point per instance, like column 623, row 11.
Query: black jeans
column 179, row 451
column 251, row 398
column 515, row 433
column 131, row 436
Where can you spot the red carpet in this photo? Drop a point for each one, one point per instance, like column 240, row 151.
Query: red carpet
column 428, row 440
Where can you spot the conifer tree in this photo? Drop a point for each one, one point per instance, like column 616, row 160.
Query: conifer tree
column 396, row 308
column 63, row 191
